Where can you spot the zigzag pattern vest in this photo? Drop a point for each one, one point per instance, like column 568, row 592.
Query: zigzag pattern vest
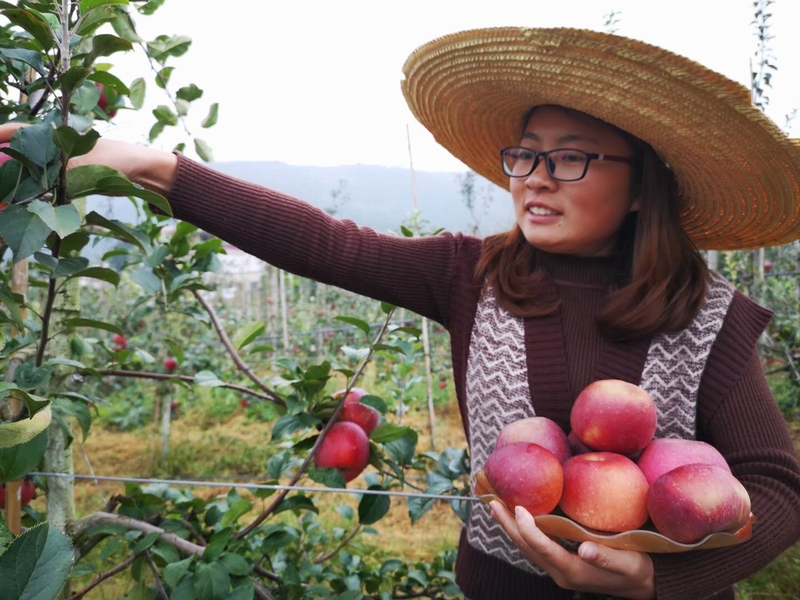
column 497, row 392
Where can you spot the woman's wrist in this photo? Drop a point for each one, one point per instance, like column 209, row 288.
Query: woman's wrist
column 154, row 169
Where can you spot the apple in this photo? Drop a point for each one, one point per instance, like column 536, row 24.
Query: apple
column 243, row 403
column 442, row 385
column 536, row 430
column 4, row 158
column 527, row 475
column 3, row 206
column 27, row 492
column 664, row 454
column 604, row 491
column 102, row 103
column 767, row 266
column 120, row 341
column 174, row 404
column 362, row 415
column 355, row 395
column 170, row 363
column 611, row 415
column 690, row 502
column 345, row 447
column 577, row 446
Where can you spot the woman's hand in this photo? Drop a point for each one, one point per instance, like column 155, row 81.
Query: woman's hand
column 595, row 568
column 151, row 168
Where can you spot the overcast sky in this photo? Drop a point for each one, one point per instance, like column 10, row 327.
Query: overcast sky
column 317, row 82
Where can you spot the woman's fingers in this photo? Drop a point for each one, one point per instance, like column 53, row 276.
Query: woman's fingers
column 7, row 130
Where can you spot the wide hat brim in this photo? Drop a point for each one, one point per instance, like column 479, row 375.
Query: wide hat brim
column 738, row 173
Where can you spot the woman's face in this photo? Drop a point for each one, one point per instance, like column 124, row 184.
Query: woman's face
column 573, row 217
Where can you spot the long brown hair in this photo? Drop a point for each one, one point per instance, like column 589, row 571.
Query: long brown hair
column 662, row 277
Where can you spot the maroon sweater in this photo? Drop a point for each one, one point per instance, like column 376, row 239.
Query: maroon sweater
column 432, row 276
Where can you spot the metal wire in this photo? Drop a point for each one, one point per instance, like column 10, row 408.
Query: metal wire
column 261, row 486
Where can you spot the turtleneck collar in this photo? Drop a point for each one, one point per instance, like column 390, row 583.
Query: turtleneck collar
column 583, row 270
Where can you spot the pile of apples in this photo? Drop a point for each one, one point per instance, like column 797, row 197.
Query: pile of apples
column 346, row 445
column 610, row 475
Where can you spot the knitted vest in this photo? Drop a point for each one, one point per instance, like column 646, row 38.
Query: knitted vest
column 497, row 392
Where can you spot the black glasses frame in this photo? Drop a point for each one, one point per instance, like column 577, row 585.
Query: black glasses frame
column 538, row 155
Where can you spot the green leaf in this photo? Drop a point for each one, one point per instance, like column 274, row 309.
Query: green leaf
column 23, row 231
column 174, row 572
column 36, row 142
column 235, row 511
column 138, row 88
column 207, row 379
column 155, row 131
column 110, row 80
column 64, row 220
column 120, row 230
column 362, row 325
column 297, row 503
column 235, row 565
column 105, row 44
column 72, row 80
column 146, row 542
column 73, row 143
column 148, row 280
column 78, row 410
column 245, row 591
column 203, row 150
column 163, row 47
column 247, row 333
column 6, row 537
column 87, row 5
column 99, row 179
column 217, row 544
column 211, row 582
column 163, row 77
column 389, row 432
column 190, row 93
column 404, row 449
column 103, row 274
column 290, row 423
column 275, row 540
column 375, row 402
column 18, row 461
column 164, row 114
column 176, row 349
column 90, row 21
column 331, row 478
column 419, row 576
column 36, row 564
column 83, row 322
column 20, row 432
column 33, row 23
column 29, row 377
column 211, row 118
column 14, row 309
column 372, row 507
column 29, row 57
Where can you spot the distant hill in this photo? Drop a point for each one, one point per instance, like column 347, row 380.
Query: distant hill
column 374, row 196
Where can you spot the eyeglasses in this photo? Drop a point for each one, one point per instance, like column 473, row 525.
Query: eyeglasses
column 563, row 164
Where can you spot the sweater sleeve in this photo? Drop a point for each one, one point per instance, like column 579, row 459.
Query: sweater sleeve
column 414, row 273
column 749, row 430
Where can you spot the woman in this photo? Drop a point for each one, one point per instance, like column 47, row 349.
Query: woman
column 622, row 159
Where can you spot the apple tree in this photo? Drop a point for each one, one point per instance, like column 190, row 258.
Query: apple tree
column 267, row 541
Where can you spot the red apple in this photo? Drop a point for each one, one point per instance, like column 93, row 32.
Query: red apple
column 442, row 385
column 577, row 446
column 174, row 404
column 690, row 502
column 604, row 491
column 345, row 447
column 102, row 103
column 120, row 341
column 614, row 416
column 3, row 205
column 243, row 403
column 353, row 397
column 27, row 492
column 525, row 474
column 767, row 266
column 664, row 454
column 170, row 363
column 536, row 430
column 362, row 415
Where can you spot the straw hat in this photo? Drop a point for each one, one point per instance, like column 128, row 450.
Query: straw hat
column 738, row 173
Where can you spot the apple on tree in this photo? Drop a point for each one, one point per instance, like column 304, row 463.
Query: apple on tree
column 353, row 411
column 120, row 341
column 345, row 447
column 27, row 492
column 103, row 102
column 170, row 363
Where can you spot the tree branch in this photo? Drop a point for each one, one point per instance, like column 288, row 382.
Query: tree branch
column 103, row 576
column 344, row 542
column 271, row 397
column 240, row 364
column 159, row 586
